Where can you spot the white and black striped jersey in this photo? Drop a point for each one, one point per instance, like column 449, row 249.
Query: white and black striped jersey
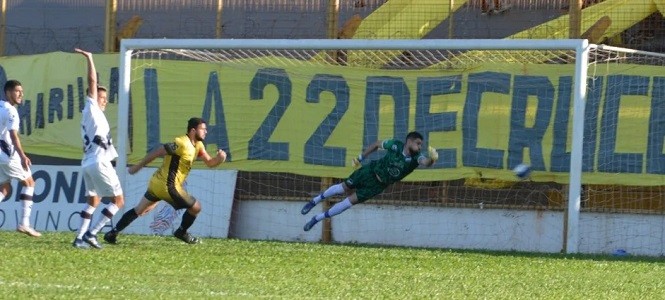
column 96, row 134
column 8, row 121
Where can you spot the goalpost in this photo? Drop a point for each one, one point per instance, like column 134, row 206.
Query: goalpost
column 292, row 113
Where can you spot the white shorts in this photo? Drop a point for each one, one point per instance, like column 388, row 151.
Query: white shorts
column 14, row 170
column 100, row 179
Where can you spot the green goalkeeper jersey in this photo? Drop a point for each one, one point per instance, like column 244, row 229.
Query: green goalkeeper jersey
column 394, row 166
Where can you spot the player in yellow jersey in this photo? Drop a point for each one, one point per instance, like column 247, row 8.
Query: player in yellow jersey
column 166, row 182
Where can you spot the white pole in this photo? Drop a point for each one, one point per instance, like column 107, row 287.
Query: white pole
column 123, row 112
column 575, row 184
column 351, row 44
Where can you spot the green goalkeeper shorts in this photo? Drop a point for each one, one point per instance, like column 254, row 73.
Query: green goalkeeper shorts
column 365, row 183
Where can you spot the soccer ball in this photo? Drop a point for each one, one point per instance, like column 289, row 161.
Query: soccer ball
column 522, row 171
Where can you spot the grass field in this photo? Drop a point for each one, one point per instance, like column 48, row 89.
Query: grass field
column 162, row 267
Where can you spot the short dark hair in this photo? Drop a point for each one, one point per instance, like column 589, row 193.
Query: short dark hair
column 414, row 135
column 11, row 84
column 194, row 122
column 99, row 88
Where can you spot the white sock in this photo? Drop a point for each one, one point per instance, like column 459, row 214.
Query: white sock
column 106, row 216
column 334, row 190
column 335, row 210
column 26, row 197
column 85, row 222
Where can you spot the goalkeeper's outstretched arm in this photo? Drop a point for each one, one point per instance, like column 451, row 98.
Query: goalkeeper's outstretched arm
column 370, row 149
column 432, row 157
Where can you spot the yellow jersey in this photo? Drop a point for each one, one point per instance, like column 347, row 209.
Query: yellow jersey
column 180, row 155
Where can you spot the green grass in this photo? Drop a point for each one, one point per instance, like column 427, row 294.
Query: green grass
column 163, row 267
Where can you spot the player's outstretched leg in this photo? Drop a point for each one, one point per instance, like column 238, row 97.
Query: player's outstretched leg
column 333, row 211
column 311, row 223
column 308, row 206
column 111, row 237
column 337, row 189
column 126, row 219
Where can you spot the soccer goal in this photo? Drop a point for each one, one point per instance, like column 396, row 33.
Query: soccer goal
column 293, row 113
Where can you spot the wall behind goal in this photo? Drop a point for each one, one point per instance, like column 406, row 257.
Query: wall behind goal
column 456, row 228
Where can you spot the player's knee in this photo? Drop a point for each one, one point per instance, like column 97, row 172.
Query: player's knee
column 28, row 182
column 195, row 209
column 119, row 201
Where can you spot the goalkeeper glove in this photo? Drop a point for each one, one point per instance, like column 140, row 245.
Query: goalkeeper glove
column 433, row 155
column 357, row 161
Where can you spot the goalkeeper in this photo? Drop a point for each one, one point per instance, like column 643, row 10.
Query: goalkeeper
column 371, row 179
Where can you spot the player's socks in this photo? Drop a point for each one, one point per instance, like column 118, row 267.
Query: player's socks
column 337, row 189
column 107, row 213
column 335, row 210
column 187, row 220
column 126, row 219
column 26, row 197
column 86, row 217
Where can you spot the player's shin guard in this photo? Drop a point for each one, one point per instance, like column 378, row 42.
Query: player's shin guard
column 335, row 210
column 86, row 217
column 337, row 189
column 187, row 220
column 107, row 215
column 125, row 220
column 26, row 197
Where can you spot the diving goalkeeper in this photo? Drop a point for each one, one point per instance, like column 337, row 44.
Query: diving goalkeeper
column 371, row 179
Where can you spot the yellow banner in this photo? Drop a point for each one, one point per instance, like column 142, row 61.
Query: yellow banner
column 311, row 119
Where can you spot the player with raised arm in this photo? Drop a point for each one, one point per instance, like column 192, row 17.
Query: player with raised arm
column 99, row 176
column 14, row 163
column 401, row 159
column 167, row 182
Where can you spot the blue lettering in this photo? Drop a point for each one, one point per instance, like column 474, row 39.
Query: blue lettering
column 655, row 157
column 81, row 96
column 39, row 114
column 114, row 85
column 609, row 160
column 217, row 133
column 70, row 101
column 560, row 157
column 37, row 197
column 520, row 136
column 75, row 216
column 427, row 122
column 391, row 86
column 315, row 150
column 68, row 188
column 479, row 83
column 259, row 145
column 591, row 113
column 52, row 220
column 55, row 104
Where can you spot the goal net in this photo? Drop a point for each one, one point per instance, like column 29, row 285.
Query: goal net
column 623, row 193
column 292, row 114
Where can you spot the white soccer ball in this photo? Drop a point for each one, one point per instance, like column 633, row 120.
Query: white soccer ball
column 522, row 171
